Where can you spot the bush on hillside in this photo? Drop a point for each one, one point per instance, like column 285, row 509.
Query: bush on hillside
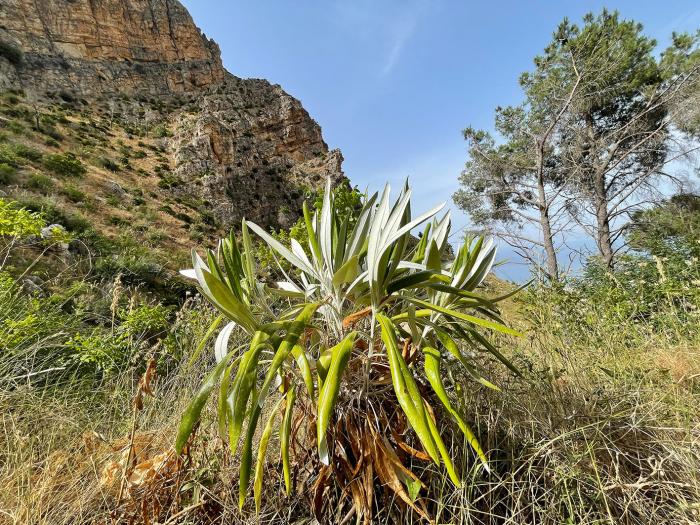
column 16, row 221
column 7, row 174
column 39, row 182
column 64, row 164
column 11, row 53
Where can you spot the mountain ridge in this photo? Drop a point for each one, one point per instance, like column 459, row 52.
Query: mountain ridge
column 234, row 147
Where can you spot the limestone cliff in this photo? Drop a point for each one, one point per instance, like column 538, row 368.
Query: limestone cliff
column 96, row 47
column 241, row 147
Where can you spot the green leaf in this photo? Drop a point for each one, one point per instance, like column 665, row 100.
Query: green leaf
column 444, row 453
column 452, row 347
column 494, row 351
column 260, row 460
column 466, row 317
column 285, row 435
column 348, row 272
column 247, row 454
column 432, row 373
column 340, row 354
column 296, row 329
column 243, row 386
column 311, row 233
column 282, row 250
column 409, row 281
column 194, row 409
column 406, row 390
column 222, row 408
column 299, row 355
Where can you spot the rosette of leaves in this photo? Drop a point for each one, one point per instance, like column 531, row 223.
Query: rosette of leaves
column 354, row 342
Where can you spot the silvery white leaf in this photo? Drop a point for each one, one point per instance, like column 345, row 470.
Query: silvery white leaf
column 221, row 344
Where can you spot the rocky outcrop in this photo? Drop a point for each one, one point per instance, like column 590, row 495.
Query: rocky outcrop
column 252, row 151
column 241, row 147
column 93, row 47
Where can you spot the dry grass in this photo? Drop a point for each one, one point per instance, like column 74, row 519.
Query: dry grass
column 600, row 429
column 603, row 433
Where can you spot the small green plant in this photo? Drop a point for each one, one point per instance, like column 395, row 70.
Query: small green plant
column 16, row 221
column 17, row 154
column 27, row 152
column 8, row 155
column 73, row 194
column 162, row 131
column 16, row 127
column 102, row 351
column 11, row 53
column 64, row 164
column 109, row 164
column 168, row 180
column 146, row 320
column 8, row 174
column 39, row 182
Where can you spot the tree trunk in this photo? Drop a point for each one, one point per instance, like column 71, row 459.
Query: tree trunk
column 552, row 264
column 547, row 236
column 603, row 221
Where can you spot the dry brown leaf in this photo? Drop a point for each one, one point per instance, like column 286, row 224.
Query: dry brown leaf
column 318, row 489
column 357, row 316
column 145, row 384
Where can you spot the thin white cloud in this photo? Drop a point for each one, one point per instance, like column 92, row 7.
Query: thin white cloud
column 402, row 31
column 387, row 26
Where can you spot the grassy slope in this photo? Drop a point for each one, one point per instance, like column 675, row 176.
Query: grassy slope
column 603, row 427
column 114, row 149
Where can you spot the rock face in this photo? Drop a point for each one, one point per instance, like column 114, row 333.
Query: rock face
column 252, row 150
column 246, row 149
column 108, row 46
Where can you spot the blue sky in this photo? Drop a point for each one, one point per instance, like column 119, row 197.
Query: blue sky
column 393, row 82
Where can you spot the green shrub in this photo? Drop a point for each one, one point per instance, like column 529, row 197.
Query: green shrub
column 27, row 152
column 357, row 326
column 74, row 222
column 11, row 98
column 73, row 194
column 120, row 222
column 39, row 182
column 52, row 133
column 101, row 350
column 8, row 174
column 17, row 154
column 9, row 156
column 16, row 221
column 109, row 164
column 197, row 231
column 209, row 218
column 16, row 127
column 11, row 53
column 137, row 266
column 168, row 181
column 146, row 320
column 162, row 131
column 65, row 164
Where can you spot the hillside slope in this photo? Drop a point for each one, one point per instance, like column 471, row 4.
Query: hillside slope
column 175, row 148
